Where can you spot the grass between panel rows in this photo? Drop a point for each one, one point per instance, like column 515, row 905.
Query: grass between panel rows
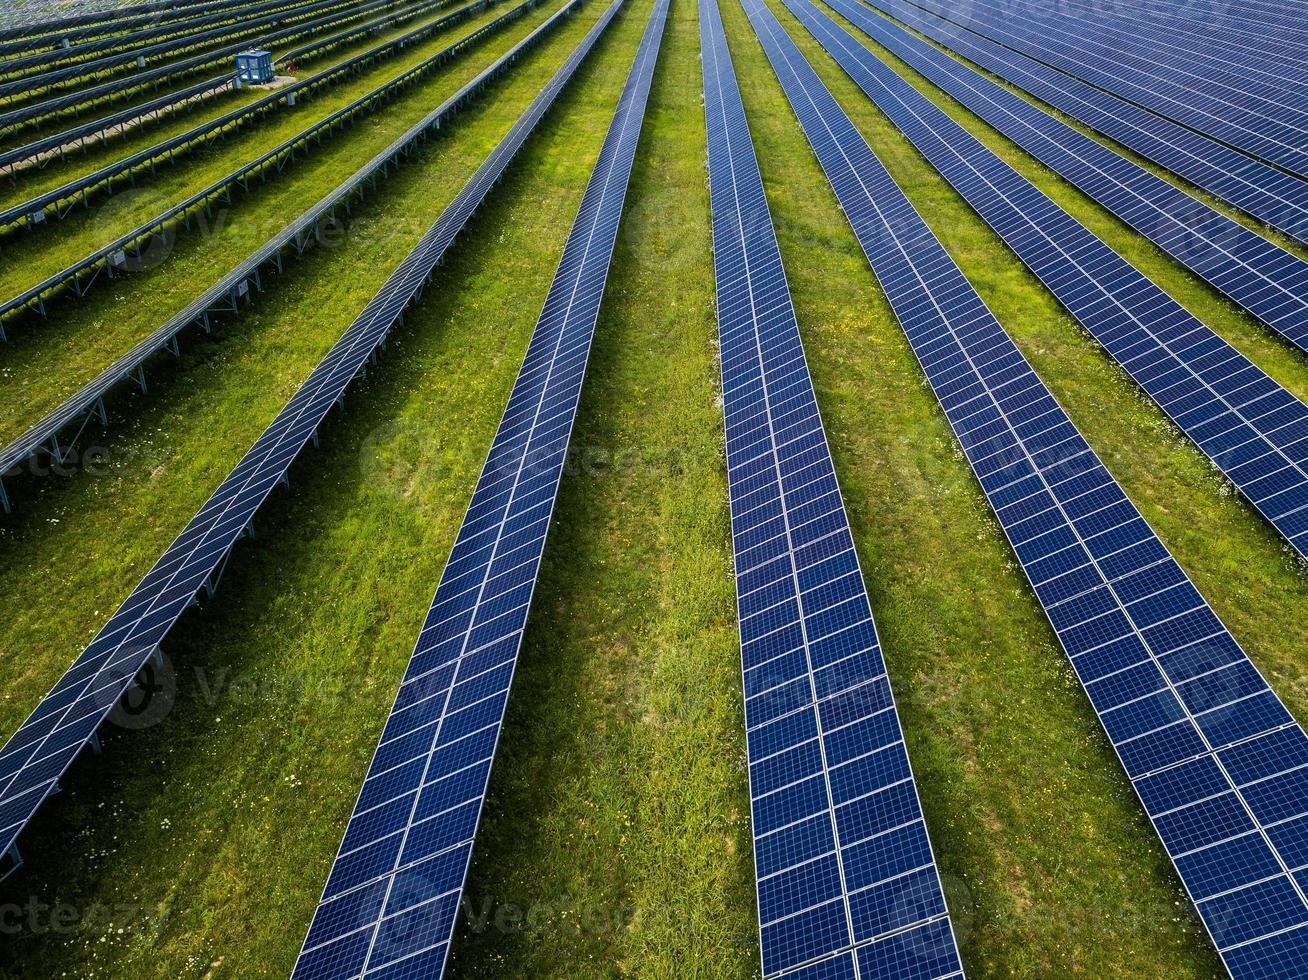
column 237, row 798
column 45, row 361
column 33, row 256
column 26, row 184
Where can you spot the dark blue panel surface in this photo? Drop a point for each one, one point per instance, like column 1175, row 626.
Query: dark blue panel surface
column 1219, row 783
column 412, row 830
column 1246, row 423
column 841, row 849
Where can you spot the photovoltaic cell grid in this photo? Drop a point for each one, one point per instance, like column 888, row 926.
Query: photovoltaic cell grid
column 1271, row 195
column 178, row 34
column 13, row 119
column 1228, row 43
column 63, row 199
column 1246, row 118
column 37, row 754
column 391, row 901
column 1246, row 423
column 15, row 88
column 1217, row 761
column 1264, row 278
column 847, row 881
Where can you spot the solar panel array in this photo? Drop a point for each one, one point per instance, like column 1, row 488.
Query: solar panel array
column 86, row 403
column 32, row 113
column 1228, row 106
column 16, row 88
column 57, row 144
column 53, row 33
column 1264, row 278
column 1246, row 423
column 1217, row 761
column 185, row 32
column 62, row 199
column 36, row 755
column 847, row 881
column 391, row 900
column 1271, row 195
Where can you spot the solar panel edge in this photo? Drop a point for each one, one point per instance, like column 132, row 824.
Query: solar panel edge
column 1212, row 231
column 766, row 23
column 716, row 80
column 1222, row 130
column 249, row 477
column 607, row 189
column 989, row 195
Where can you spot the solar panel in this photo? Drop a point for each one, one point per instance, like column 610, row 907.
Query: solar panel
column 36, row 755
column 32, row 113
column 13, row 89
column 1264, row 278
column 1246, row 423
column 59, row 201
column 72, row 415
column 846, row 878
column 391, row 900
column 1271, row 195
column 61, row 143
column 1243, row 115
column 1218, row 762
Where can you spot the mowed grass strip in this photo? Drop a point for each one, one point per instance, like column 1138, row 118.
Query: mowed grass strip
column 1255, row 581
column 1049, row 862
column 46, row 360
column 616, row 836
column 32, row 256
column 1279, row 358
column 220, row 102
column 208, row 835
column 26, row 183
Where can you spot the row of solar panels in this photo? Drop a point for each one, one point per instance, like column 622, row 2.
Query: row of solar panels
column 178, row 100
column 33, row 114
column 118, row 256
column 1231, row 91
column 142, row 42
column 1213, row 754
column 847, row 881
column 60, row 200
column 240, row 37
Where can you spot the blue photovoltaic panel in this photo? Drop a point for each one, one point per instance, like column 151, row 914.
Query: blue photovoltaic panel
column 1246, row 423
column 391, row 900
column 1229, row 106
column 34, row 758
column 1218, row 762
column 1264, row 278
column 1273, row 196
column 847, row 882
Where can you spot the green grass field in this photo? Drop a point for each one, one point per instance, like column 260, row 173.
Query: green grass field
column 616, row 837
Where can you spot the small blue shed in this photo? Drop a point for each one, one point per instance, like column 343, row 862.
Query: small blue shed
column 254, row 67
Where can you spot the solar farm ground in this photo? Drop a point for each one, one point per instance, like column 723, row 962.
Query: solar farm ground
column 616, row 839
